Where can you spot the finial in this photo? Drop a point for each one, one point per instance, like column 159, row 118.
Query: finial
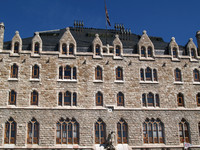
column 144, row 32
column 173, row 38
column 16, row 32
column 36, row 33
column 97, row 35
column 191, row 39
column 117, row 36
column 67, row 29
column 1, row 24
column 198, row 32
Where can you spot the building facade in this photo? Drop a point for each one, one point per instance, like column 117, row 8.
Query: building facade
column 70, row 88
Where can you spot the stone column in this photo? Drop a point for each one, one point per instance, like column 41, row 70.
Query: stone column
column 2, row 28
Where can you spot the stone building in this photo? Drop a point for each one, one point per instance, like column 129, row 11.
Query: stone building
column 70, row 88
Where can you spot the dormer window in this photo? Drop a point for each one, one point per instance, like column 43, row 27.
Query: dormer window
column 16, row 47
column 71, row 49
column 174, row 52
column 118, row 50
column 37, row 46
column 97, row 49
column 193, row 53
column 143, row 51
column 64, row 48
column 150, row 51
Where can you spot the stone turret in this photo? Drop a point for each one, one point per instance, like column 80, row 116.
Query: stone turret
column 198, row 42
column 2, row 28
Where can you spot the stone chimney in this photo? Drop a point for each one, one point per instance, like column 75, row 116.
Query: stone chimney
column 198, row 42
column 2, row 28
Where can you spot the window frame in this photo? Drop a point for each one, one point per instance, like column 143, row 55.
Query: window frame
column 12, row 97
column 35, row 72
column 10, row 127
column 34, row 95
column 33, row 128
column 178, row 75
column 98, row 73
column 196, row 75
column 184, row 129
column 99, row 96
column 119, row 73
column 14, row 71
column 180, row 96
column 122, row 132
column 120, row 96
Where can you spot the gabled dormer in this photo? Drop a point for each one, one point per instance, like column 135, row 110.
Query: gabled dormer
column 118, row 47
column 97, row 47
column 16, row 46
column 36, row 45
column 173, row 49
column 145, row 47
column 67, row 44
column 191, row 49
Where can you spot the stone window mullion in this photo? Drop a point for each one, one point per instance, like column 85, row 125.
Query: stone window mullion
column 122, row 132
column 67, row 49
column 9, row 137
column 32, row 132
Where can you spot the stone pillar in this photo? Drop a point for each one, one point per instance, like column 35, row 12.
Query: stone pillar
column 2, row 28
column 198, row 42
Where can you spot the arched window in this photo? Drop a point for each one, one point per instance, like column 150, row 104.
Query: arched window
column 60, row 72
column 142, row 74
column 99, row 99
column 98, row 73
column 150, row 52
column 97, row 49
column 174, row 52
column 14, row 71
column 64, row 48
column 60, row 99
column 198, row 99
column 74, row 99
column 16, row 47
column 120, row 99
column 193, row 53
column 67, row 131
column 150, row 99
column 184, row 131
column 118, row 50
column 144, row 103
column 119, row 73
column 35, row 71
column 34, row 98
column 122, row 132
column 196, row 75
column 155, row 77
column 12, row 97
column 37, row 46
column 67, row 98
column 67, row 72
column 10, row 132
column 33, row 132
column 180, row 99
column 153, row 131
column 143, row 53
column 148, row 74
column 157, row 100
column 177, row 73
column 71, row 49
column 100, row 132
column 74, row 72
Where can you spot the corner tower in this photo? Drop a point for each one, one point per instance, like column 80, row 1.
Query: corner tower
column 198, row 42
column 2, row 28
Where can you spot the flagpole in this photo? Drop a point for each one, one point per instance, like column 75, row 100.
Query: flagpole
column 106, row 22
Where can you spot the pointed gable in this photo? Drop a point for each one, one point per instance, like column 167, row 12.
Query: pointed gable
column 17, row 39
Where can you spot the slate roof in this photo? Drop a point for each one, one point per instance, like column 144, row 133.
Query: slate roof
column 85, row 36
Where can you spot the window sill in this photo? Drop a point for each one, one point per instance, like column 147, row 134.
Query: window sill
column 98, row 81
column 66, row 56
column 175, row 59
column 119, row 81
column 97, row 56
column 147, row 58
column 149, row 82
column 14, row 55
column 34, row 80
column 193, row 60
column 178, row 82
column 12, row 79
column 117, row 57
column 65, row 80
column 35, row 55
column 196, row 83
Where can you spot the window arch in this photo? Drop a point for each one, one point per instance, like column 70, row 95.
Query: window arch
column 177, row 73
column 34, row 98
column 97, row 49
column 10, row 131
column 122, row 132
column 33, row 132
column 196, row 75
column 120, row 99
column 184, row 131
column 150, row 53
column 119, row 73
column 36, row 48
column 64, row 48
column 118, row 50
column 60, row 72
column 155, row 77
column 14, row 71
column 67, row 131
column 100, row 132
column 98, row 73
column 16, row 47
column 143, row 51
column 153, row 131
column 148, row 73
column 198, row 99
column 35, row 71
column 174, row 52
column 180, row 99
column 71, row 49
column 99, row 99
column 142, row 74
column 12, row 97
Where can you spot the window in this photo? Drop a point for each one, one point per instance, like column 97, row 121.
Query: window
column 118, row 50
column 67, row 131
column 153, row 131
column 37, row 46
column 70, row 99
column 33, row 132
column 199, row 128
column 97, row 49
column 193, row 53
column 120, row 99
column 67, row 98
column 74, row 73
column 119, row 73
column 155, row 78
column 74, row 99
column 198, row 99
column 142, row 74
column 177, row 73
column 71, row 49
column 196, row 75
column 144, row 100
column 34, row 98
column 174, row 52
column 98, row 73
column 64, row 48
column 12, row 97
column 60, row 99
column 157, row 100
column 180, row 99
column 14, row 71
column 69, row 73
column 184, row 131
column 16, row 47
column 150, row 100
column 150, row 52
column 99, row 99
column 100, row 132
column 143, row 51
column 35, row 71
column 10, row 132
column 148, row 74
column 122, row 132
column 60, row 72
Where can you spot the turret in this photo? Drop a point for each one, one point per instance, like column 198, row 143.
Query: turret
column 198, row 42
column 2, row 28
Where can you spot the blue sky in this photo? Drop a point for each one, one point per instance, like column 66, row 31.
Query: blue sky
column 162, row 18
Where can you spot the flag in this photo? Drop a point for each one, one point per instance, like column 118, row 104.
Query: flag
column 107, row 17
